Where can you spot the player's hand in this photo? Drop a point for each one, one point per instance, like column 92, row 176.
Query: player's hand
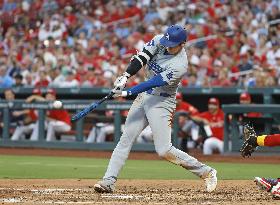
column 17, row 113
column 205, row 122
column 121, row 81
column 119, row 93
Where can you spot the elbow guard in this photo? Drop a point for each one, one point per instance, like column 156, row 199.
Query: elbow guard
column 138, row 61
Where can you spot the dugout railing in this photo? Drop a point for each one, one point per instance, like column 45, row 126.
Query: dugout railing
column 232, row 137
column 74, row 106
column 79, row 142
column 195, row 96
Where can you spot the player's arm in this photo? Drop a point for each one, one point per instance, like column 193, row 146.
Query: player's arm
column 200, row 119
column 137, row 62
column 156, row 81
column 35, row 98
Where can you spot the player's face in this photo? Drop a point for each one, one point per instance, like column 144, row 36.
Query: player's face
column 245, row 102
column 178, row 101
column 212, row 108
column 9, row 95
column 50, row 97
column 175, row 50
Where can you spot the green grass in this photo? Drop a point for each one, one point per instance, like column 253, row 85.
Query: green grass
column 85, row 168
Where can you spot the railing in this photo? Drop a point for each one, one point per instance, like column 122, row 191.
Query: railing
column 232, row 139
column 79, row 142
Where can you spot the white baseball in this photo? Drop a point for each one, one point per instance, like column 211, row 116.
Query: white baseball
column 57, row 104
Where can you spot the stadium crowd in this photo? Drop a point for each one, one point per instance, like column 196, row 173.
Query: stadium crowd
column 69, row 43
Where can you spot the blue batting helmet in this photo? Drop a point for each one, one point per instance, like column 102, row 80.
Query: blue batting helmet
column 173, row 36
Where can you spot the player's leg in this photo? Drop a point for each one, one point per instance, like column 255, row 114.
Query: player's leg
column 194, row 132
column 211, row 144
column 18, row 133
column 92, row 135
column 266, row 183
column 269, row 185
column 35, row 133
column 28, row 129
column 276, row 191
column 159, row 110
column 56, row 126
column 136, row 121
column 106, row 130
column 208, row 146
column 145, row 136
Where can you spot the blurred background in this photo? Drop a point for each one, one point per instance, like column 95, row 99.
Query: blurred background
column 73, row 50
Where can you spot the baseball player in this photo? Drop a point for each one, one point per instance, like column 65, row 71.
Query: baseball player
column 101, row 130
column 188, row 128
column 251, row 142
column 95, row 134
column 165, row 62
column 245, row 99
column 16, row 116
column 29, row 124
column 213, row 120
column 56, row 120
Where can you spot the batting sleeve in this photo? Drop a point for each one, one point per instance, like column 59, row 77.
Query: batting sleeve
column 156, row 81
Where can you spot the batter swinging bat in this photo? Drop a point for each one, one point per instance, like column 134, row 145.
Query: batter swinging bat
column 91, row 107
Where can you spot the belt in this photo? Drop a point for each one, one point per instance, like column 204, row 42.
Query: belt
column 150, row 91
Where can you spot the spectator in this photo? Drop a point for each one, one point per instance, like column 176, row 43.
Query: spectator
column 84, row 31
column 49, row 5
column 70, row 80
column 214, row 118
column 5, row 80
column 9, row 6
column 43, row 79
column 18, row 80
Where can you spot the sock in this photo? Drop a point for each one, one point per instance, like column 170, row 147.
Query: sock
column 268, row 140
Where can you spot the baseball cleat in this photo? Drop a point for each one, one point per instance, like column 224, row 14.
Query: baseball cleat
column 276, row 191
column 211, row 180
column 105, row 186
column 265, row 183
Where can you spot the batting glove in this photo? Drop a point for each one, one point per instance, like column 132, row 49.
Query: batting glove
column 121, row 81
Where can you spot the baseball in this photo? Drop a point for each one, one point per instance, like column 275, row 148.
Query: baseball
column 57, row 104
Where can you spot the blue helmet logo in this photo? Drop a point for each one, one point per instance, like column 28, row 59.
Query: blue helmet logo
column 173, row 36
column 167, row 36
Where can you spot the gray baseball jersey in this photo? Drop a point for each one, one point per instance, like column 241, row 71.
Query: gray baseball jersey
column 156, row 108
column 170, row 67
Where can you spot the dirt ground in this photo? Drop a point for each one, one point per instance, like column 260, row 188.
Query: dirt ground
column 144, row 192
column 135, row 192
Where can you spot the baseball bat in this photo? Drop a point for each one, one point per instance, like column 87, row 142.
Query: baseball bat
column 90, row 108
